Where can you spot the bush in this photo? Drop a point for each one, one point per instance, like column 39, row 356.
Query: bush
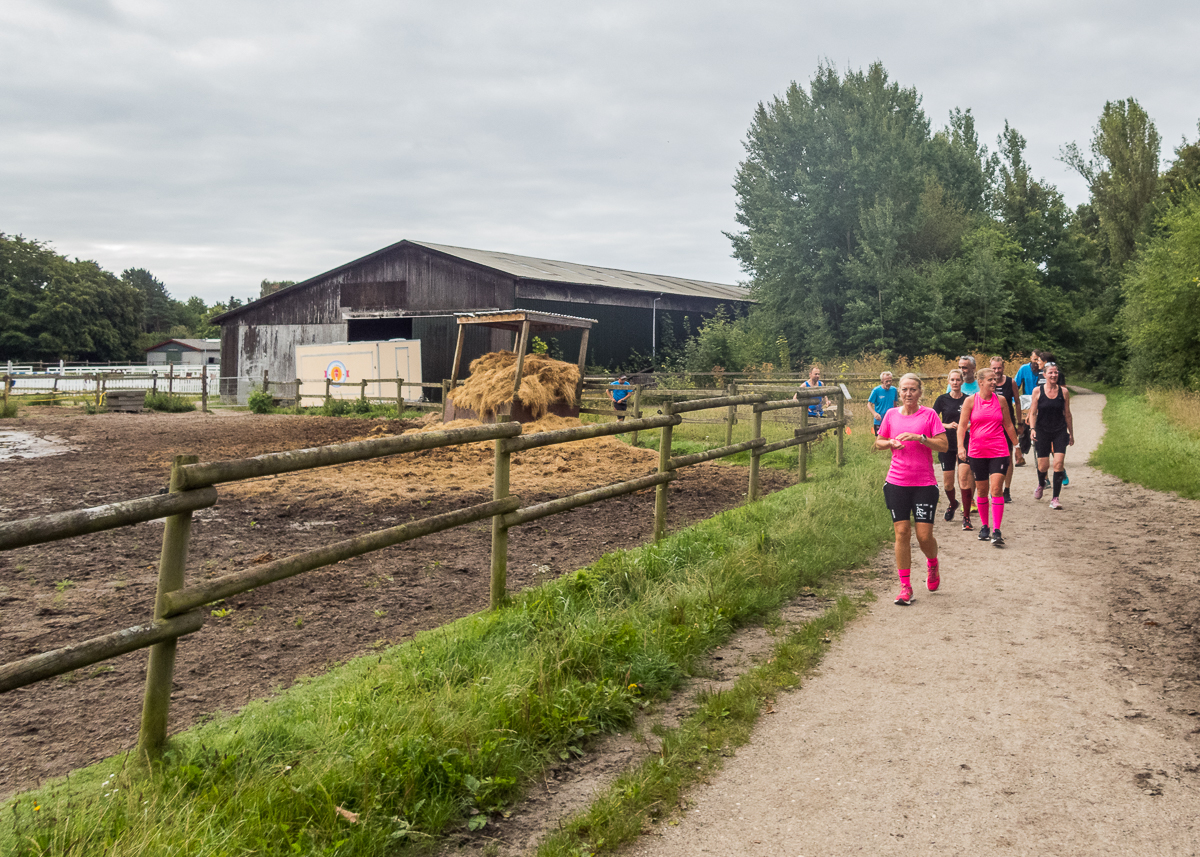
column 8, row 409
column 261, row 402
column 168, row 403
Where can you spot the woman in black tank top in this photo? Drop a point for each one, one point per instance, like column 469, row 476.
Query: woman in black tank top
column 1053, row 431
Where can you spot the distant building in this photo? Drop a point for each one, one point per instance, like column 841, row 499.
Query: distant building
column 412, row 290
column 186, row 352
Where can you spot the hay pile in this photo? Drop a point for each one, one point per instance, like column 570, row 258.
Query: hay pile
column 543, row 383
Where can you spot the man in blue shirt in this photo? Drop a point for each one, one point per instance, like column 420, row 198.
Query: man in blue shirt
column 966, row 363
column 882, row 398
column 1027, row 379
column 816, row 407
column 619, row 391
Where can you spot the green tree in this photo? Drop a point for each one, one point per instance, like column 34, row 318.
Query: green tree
column 1161, row 315
column 54, row 308
column 269, row 287
column 843, row 196
column 1122, row 174
column 160, row 311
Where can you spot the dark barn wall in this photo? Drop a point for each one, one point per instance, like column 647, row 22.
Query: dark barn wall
column 619, row 329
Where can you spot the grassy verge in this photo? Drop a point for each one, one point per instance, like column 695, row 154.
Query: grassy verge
column 393, row 749
column 1153, row 440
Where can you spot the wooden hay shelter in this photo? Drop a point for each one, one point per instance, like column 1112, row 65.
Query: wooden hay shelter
column 537, row 385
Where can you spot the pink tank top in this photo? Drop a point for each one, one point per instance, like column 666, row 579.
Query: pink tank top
column 987, row 428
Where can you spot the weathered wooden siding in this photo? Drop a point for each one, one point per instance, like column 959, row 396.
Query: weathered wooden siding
column 273, row 347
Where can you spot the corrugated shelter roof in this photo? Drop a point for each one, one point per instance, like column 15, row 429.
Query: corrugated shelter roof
column 532, row 268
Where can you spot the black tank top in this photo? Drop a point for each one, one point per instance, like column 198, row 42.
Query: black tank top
column 950, row 410
column 1051, row 415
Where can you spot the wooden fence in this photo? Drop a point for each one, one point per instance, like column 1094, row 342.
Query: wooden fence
column 179, row 607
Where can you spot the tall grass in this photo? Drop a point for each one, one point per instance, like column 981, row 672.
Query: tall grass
column 397, row 747
column 1153, row 440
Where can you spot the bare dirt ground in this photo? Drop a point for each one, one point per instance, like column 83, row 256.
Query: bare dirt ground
column 1045, row 701
column 51, row 595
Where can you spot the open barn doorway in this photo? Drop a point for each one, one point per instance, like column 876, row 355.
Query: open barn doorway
column 378, row 329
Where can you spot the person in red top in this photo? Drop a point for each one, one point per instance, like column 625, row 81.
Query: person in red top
column 987, row 418
column 913, row 433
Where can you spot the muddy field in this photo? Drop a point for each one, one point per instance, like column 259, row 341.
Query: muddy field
column 55, row 594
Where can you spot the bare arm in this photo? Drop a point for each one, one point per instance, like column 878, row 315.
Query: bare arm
column 1033, row 408
column 1009, row 429
column 964, row 421
column 1067, row 413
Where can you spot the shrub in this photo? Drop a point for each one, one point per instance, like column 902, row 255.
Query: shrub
column 8, row 409
column 261, row 402
column 169, row 403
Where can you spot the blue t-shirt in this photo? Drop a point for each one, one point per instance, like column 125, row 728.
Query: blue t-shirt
column 816, row 409
column 620, row 391
column 882, row 400
column 1027, row 380
column 967, row 389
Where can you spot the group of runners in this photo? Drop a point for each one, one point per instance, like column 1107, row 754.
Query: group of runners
column 980, row 429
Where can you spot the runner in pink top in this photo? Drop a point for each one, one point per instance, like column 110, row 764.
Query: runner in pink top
column 913, row 434
column 989, row 423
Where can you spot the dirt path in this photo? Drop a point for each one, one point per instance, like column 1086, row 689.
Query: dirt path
column 1044, row 701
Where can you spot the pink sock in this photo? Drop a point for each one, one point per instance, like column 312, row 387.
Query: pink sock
column 932, row 563
column 997, row 511
column 983, row 509
column 905, row 574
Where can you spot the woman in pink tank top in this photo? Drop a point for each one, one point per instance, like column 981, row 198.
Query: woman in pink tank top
column 992, row 440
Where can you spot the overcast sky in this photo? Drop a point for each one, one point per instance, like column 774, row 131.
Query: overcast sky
column 221, row 143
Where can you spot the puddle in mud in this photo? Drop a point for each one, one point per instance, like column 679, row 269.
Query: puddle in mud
column 22, row 444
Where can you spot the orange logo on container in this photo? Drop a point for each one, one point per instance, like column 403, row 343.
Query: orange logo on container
column 337, row 371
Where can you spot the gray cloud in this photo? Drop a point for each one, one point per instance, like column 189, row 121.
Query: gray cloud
column 222, row 144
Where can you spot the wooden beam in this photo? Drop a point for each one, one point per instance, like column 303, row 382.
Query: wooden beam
column 522, row 347
column 458, row 350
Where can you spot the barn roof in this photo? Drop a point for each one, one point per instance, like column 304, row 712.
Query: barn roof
column 532, row 268
column 193, row 344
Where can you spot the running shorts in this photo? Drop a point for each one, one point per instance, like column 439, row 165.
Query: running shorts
column 983, row 468
column 622, row 405
column 1055, row 441
column 911, row 501
column 948, row 460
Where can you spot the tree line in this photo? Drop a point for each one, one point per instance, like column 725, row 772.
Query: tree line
column 864, row 229
column 55, row 308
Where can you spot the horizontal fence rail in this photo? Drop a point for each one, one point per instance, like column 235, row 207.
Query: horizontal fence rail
column 178, row 609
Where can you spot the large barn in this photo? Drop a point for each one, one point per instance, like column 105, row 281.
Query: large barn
column 412, row 290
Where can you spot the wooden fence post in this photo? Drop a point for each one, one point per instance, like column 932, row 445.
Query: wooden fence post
column 204, row 390
column 804, row 446
column 637, row 409
column 159, row 670
column 328, row 395
column 730, row 390
column 500, row 490
column 399, row 398
column 664, row 464
column 362, row 394
column 7, row 384
column 298, row 383
column 96, row 378
column 446, row 387
column 755, row 458
column 841, row 429
column 154, row 382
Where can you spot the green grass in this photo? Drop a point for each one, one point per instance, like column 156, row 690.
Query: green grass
column 169, row 403
column 1143, row 445
column 441, row 732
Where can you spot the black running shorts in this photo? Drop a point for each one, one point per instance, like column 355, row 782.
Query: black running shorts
column 983, row 468
column 918, row 502
column 1051, row 441
column 948, row 460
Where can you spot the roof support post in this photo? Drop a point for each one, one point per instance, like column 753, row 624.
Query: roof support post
column 522, row 347
column 458, row 350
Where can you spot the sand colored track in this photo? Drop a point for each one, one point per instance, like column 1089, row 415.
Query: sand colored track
column 1044, row 702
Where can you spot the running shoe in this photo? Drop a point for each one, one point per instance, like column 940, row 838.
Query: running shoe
column 1066, row 481
column 985, row 533
column 1054, row 504
column 950, row 511
column 932, row 579
column 1037, row 492
column 1007, row 496
column 905, row 597
column 967, row 525
column 997, row 539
